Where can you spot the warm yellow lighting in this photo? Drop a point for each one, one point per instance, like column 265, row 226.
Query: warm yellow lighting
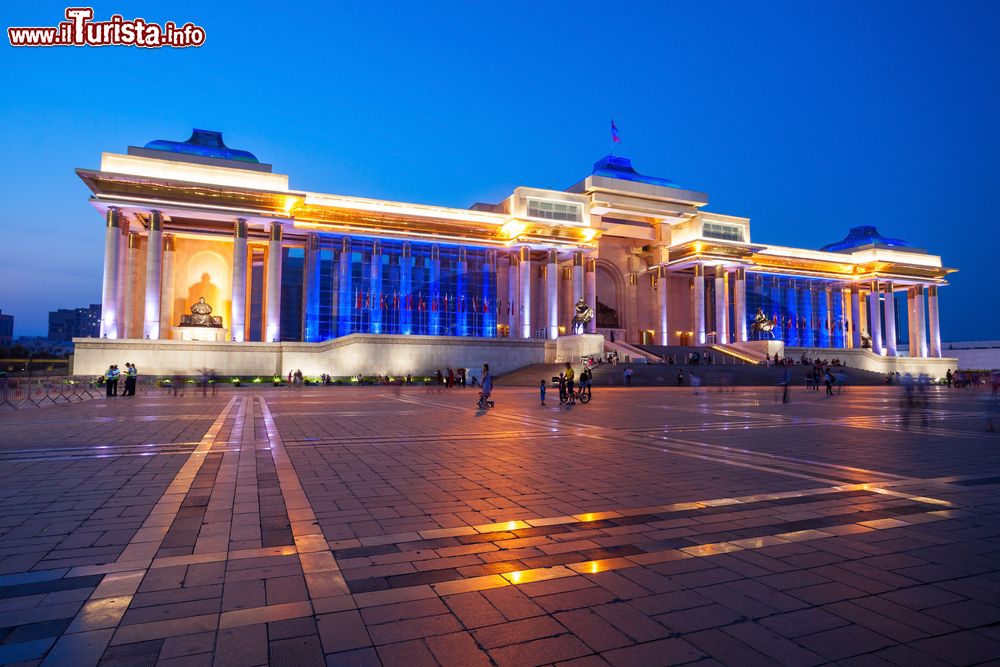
column 588, row 234
column 512, row 229
column 594, row 568
column 698, row 246
column 515, row 577
column 513, row 525
column 135, row 165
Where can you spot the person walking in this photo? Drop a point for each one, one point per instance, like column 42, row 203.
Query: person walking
column 541, row 390
column 828, row 381
column 786, row 382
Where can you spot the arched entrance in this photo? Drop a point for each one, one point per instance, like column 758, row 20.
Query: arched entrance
column 610, row 296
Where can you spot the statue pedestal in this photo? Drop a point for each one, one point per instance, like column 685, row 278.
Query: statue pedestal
column 572, row 348
column 214, row 334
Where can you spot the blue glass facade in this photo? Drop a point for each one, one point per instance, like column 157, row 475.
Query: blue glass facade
column 807, row 312
column 392, row 287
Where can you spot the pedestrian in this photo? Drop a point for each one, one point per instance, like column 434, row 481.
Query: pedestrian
column 587, row 382
column 131, row 376
column 948, row 378
column 109, row 376
column 562, row 389
column 627, row 376
column 828, row 381
column 115, row 375
column 451, row 379
column 541, row 390
column 786, row 382
column 571, row 397
column 680, row 378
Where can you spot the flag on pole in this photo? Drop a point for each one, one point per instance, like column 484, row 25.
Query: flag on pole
column 616, row 137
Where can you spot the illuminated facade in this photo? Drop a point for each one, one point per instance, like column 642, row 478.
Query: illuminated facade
column 193, row 219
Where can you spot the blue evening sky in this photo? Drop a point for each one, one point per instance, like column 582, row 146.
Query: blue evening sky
column 807, row 117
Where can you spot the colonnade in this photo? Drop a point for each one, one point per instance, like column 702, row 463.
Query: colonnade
column 562, row 287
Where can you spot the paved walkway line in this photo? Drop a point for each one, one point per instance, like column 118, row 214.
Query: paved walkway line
column 87, row 637
column 327, row 589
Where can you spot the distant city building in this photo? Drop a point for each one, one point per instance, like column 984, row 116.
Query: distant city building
column 42, row 346
column 7, row 328
column 69, row 323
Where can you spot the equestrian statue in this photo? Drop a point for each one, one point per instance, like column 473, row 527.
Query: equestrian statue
column 582, row 316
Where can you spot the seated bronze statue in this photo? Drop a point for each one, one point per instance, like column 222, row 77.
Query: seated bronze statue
column 582, row 316
column 201, row 316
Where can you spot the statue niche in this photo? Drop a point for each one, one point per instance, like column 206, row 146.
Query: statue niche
column 201, row 316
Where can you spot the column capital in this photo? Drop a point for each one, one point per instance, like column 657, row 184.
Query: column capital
column 133, row 241
column 240, row 228
column 345, row 244
column 276, row 231
column 524, row 253
column 168, row 243
column 552, row 256
column 463, row 255
column 406, row 251
column 435, row 251
column 113, row 217
column 578, row 258
column 633, row 279
column 590, row 266
column 887, row 287
column 155, row 221
column 699, row 270
column 932, row 290
column 376, row 247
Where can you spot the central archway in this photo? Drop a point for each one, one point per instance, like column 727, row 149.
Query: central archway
column 610, row 296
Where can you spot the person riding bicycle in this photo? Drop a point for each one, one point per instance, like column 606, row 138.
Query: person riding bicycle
column 487, row 385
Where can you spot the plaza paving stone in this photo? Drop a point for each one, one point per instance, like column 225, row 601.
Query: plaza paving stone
column 388, row 525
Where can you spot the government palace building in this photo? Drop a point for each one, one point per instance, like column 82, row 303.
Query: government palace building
column 207, row 246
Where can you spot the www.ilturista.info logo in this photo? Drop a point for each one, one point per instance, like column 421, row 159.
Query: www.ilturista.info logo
column 81, row 30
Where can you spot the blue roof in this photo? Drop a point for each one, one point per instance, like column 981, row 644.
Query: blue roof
column 205, row 143
column 616, row 166
column 865, row 236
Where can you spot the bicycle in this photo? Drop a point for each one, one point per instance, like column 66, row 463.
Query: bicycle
column 484, row 402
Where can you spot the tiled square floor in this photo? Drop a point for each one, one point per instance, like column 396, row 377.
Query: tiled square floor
column 378, row 525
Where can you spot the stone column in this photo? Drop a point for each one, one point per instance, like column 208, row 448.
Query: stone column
column 577, row 276
column 488, row 297
column 122, row 276
column 661, row 302
column 130, row 315
column 154, row 267
column 237, row 325
column 167, row 287
column 698, row 305
column 524, row 281
column 272, row 326
column 513, row 296
column 406, row 289
column 311, row 288
column 874, row 318
column 377, row 299
column 721, row 306
column 434, row 287
column 855, row 295
column 462, row 304
column 890, row 320
column 552, row 294
column 933, row 321
column 109, row 289
column 566, row 308
column 590, row 291
column 345, row 299
column 740, row 307
column 921, row 323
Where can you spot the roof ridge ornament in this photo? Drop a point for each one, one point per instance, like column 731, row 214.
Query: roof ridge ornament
column 206, row 143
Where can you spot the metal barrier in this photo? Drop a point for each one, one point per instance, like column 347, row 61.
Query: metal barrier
column 19, row 393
